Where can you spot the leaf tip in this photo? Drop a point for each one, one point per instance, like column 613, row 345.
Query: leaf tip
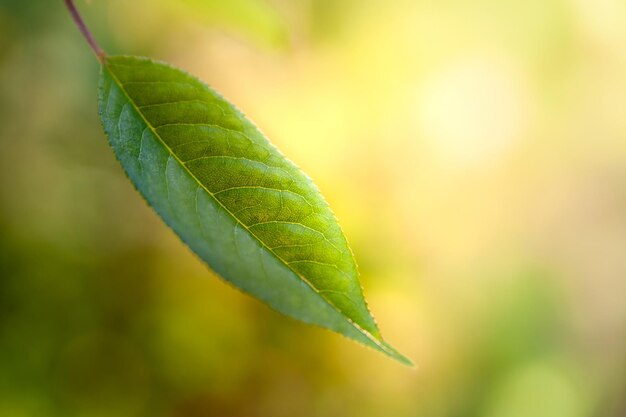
column 394, row 354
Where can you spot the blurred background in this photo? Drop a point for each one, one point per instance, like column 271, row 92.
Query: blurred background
column 475, row 155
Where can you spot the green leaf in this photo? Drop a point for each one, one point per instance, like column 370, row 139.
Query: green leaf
column 239, row 204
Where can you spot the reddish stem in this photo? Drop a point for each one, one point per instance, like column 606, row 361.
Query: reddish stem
column 85, row 31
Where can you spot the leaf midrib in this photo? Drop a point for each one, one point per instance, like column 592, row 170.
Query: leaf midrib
column 154, row 132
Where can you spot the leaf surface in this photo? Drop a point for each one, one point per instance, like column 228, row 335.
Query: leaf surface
column 232, row 197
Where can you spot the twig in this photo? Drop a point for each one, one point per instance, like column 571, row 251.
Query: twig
column 85, row 31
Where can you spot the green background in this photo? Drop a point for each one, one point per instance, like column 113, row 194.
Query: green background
column 473, row 151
